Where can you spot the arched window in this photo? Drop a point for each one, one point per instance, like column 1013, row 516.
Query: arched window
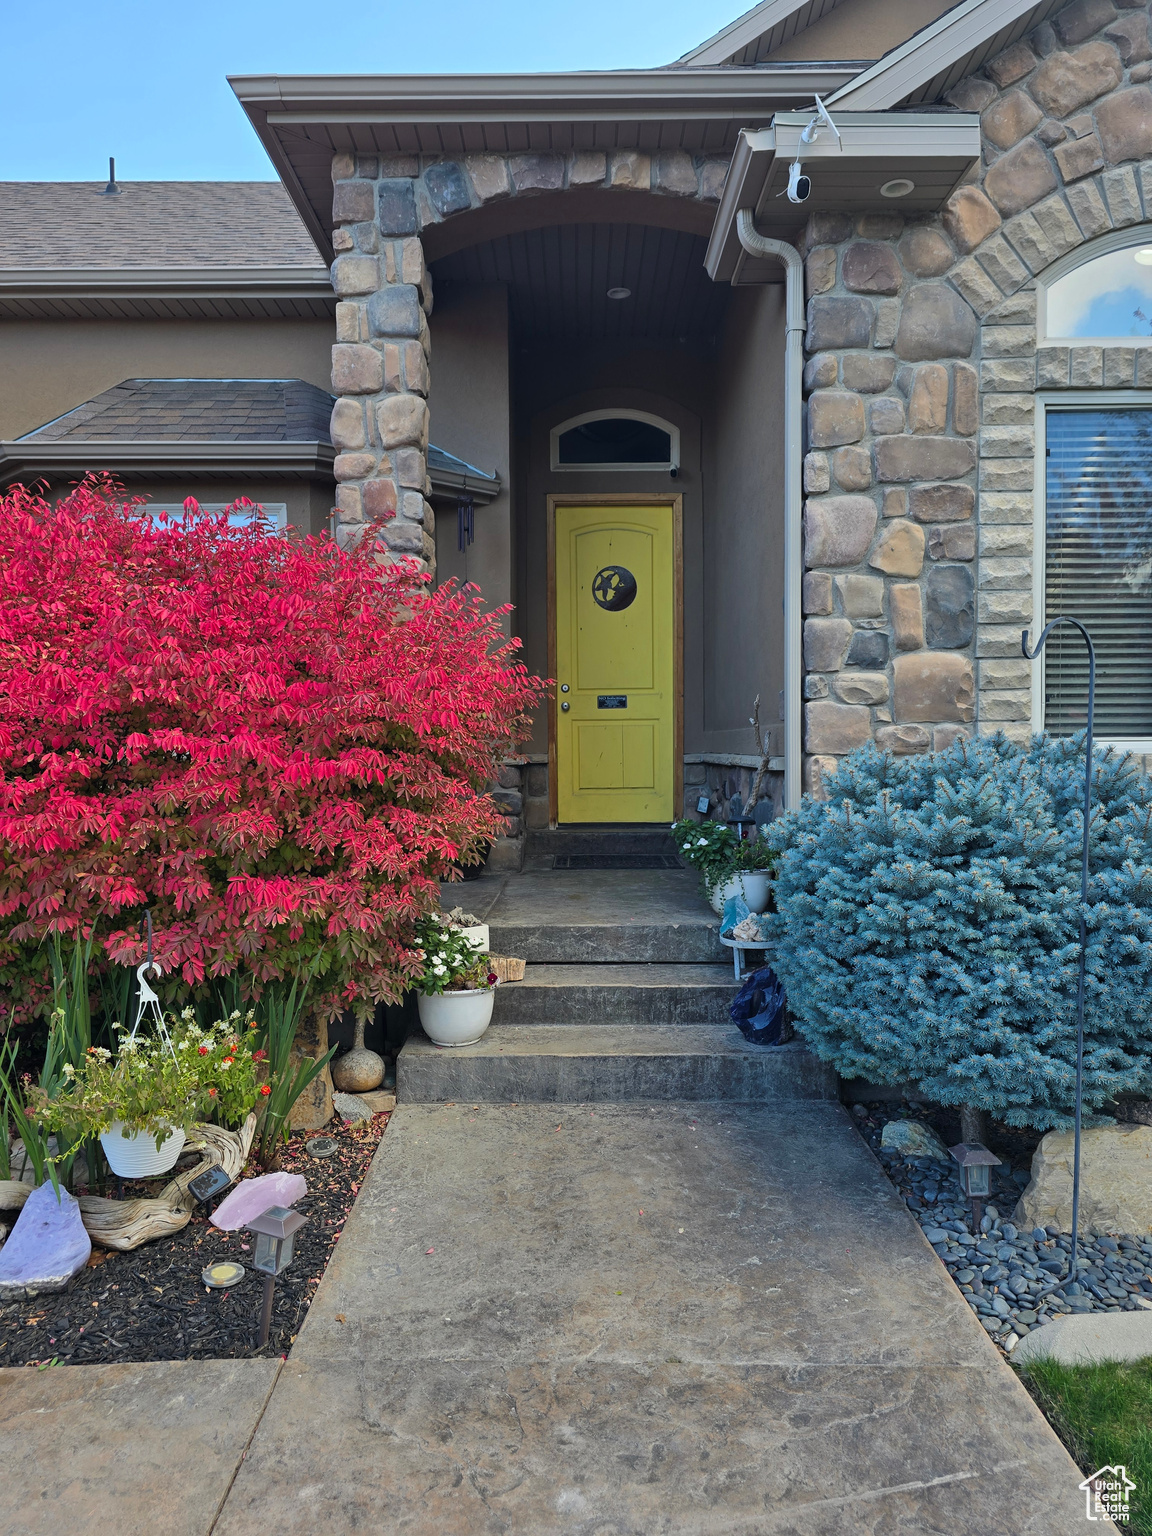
column 1102, row 292
column 616, row 440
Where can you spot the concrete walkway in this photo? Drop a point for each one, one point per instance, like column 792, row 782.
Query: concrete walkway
column 617, row 1320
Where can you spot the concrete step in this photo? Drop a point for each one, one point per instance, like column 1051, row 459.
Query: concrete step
column 573, row 1064
column 594, row 838
column 636, row 943
column 612, row 994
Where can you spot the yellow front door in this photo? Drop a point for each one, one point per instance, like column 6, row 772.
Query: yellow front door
column 615, row 663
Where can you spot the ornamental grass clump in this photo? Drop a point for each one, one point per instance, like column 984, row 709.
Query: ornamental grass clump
column 926, row 925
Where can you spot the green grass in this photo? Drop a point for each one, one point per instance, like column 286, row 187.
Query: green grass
column 1103, row 1414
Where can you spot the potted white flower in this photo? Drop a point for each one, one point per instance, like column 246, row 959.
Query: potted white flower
column 728, row 865
column 456, row 989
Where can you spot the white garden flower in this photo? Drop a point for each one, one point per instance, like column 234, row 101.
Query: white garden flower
column 188, row 1015
column 224, row 1065
column 701, row 842
column 69, row 1070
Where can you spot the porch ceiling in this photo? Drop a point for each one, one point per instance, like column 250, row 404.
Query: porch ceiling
column 302, row 121
column 558, row 280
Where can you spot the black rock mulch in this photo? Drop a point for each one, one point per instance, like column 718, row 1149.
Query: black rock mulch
column 1005, row 1274
column 151, row 1304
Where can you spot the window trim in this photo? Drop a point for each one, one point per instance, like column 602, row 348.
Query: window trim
column 1066, row 400
column 273, row 512
column 1104, row 245
column 612, row 413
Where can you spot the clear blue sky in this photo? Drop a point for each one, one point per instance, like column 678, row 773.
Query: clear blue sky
column 146, row 81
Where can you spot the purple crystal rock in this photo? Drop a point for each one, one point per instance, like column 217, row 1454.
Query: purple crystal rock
column 46, row 1247
column 252, row 1197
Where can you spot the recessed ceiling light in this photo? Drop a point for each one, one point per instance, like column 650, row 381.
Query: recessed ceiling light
column 619, row 293
column 898, row 188
column 1144, row 255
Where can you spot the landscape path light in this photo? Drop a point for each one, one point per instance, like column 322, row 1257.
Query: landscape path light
column 976, row 1165
column 275, row 1233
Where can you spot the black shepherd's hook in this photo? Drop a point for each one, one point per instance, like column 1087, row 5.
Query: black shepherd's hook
column 1031, row 655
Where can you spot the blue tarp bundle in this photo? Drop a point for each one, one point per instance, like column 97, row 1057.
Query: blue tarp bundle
column 757, row 1010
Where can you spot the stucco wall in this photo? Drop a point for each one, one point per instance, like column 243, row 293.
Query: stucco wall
column 48, row 367
column 470, row 416
column 861, row 31
column 744, row 528
column 922, row 376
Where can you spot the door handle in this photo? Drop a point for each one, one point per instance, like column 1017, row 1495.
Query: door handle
column 565, row 706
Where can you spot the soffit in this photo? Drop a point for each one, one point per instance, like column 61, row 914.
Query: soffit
column 928, row 65
column 169, row 293
column 303, row 121
column 558, row 280
column 24, row 459
column 933, row 149
column 755, row 36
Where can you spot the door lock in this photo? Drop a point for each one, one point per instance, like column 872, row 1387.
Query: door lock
column 563, row 687
column 565, row 706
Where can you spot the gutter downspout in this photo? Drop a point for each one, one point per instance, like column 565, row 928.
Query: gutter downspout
column 757, row 244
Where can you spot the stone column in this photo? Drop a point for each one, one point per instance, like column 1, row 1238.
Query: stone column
column 380, row 359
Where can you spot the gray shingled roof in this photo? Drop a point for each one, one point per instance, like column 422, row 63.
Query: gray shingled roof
column 196, row 410
column 69, row 224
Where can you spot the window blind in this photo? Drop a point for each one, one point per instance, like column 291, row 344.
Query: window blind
column 1098, row 569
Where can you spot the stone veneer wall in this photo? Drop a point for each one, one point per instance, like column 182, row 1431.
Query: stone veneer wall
column 381, row 358
column 920, row 380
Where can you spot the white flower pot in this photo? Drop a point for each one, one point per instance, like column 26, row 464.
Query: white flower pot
column 456, row 1018
column 135, row 1156
column 752, row 884
column 478, row 937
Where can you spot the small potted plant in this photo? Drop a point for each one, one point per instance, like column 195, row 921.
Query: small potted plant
column 728, row 865
column 142, row 1100
column 457, row 988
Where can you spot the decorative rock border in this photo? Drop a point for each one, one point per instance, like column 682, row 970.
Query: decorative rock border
column 999, row 1269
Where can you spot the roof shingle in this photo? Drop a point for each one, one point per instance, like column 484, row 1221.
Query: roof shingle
column 196, row 410
column 70, row 224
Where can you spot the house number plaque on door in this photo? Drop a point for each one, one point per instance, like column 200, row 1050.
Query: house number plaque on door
column 612, row 701
column 614, row 588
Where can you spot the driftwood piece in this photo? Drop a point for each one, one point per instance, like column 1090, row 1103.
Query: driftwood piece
column 125, row 1224
column 13, row 1194
column 508, row 967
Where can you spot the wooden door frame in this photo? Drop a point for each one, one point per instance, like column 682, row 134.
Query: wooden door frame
column 624, row 499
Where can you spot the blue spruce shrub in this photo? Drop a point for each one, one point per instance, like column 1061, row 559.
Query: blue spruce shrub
column 927, row 924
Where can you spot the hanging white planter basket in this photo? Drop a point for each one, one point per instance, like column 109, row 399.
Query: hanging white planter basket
column 456, row 1018
column 135, row 1156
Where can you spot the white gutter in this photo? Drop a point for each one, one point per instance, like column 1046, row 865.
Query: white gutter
column 757, row 244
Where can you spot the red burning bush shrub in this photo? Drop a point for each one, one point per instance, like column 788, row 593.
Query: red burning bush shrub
column 277, row 746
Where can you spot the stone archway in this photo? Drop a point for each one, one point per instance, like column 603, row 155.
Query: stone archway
column 391, row 217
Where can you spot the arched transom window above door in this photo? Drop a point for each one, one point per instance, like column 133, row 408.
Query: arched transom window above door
column 1102, row 292
column 616, row 440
